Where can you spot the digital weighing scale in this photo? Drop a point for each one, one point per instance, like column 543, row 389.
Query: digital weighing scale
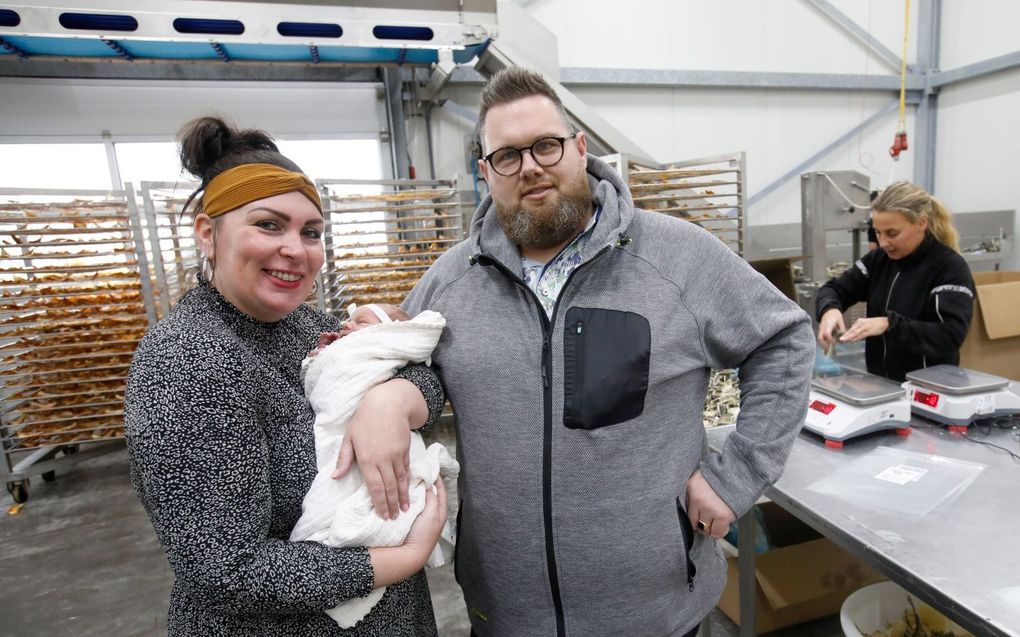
column 851, row 405
column 956, row 396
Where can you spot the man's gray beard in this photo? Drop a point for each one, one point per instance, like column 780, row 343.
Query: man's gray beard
column 529, row 230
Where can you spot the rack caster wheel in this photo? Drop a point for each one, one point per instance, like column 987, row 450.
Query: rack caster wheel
column 18, row 491
column 49, row 476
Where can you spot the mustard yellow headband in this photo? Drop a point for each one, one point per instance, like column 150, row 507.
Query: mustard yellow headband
column 243, row 184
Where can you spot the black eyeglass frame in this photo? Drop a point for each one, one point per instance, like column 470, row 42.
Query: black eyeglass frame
column 520, row 151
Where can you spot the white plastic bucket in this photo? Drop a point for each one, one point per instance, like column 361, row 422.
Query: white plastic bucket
column 878, row 606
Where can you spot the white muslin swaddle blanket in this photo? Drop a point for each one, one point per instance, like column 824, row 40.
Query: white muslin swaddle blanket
column 340, row 512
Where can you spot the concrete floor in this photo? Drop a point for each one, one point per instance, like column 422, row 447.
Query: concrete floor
column 80, row 559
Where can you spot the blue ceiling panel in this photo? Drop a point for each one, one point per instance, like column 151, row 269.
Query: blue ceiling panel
column 155, row 50
column 469, row 53
column 268, row 52
column 364, row 55
column 150, row 49
column 65, row 47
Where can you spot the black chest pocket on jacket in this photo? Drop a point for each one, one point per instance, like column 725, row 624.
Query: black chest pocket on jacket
column 605, row 377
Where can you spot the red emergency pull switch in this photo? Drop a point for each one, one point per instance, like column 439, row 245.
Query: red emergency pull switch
column 899, row 145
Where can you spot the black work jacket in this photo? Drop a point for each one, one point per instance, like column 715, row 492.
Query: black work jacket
column 927, row 296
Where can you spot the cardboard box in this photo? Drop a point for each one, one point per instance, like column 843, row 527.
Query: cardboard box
column 803, row 578
column 993, row 342
column 779, row 272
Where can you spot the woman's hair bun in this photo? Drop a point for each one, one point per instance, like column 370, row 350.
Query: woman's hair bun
column 207, row 141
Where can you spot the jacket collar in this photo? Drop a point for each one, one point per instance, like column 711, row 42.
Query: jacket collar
column 919, row 254
column 608, row 192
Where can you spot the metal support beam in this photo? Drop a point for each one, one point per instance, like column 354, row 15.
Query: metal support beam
column 586, row 77
column 885, row 111
column 428, row 139
column 453, row 24
column 926, row 118
column 111, row 161
column 651, row 78
column 393, row 85
column 460, row 111
column 212, row 70
column 854, row 30
column 998, row 64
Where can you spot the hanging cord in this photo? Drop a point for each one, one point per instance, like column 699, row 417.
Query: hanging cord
column 900, row 141
column 844, row 195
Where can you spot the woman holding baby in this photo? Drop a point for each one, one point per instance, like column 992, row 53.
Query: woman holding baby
column 220, row 432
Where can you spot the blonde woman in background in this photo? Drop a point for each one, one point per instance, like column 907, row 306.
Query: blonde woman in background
column 919, row 290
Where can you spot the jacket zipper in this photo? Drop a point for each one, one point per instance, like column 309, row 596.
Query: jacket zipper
column 885, row 348
column 687, row 533
column 547, row 323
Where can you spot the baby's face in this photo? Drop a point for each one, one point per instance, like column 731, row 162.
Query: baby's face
column 362, row 318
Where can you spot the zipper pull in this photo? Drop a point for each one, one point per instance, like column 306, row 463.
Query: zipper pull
column 579, row 326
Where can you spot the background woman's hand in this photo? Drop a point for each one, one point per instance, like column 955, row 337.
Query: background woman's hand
column 830, row 325
column 865, row 327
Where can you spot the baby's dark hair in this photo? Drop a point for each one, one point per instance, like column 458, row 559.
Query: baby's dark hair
column 210, row 145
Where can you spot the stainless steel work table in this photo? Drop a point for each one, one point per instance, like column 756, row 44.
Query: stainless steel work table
column 962, row 557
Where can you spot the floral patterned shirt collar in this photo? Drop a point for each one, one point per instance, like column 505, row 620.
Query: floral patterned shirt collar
column 546, row 280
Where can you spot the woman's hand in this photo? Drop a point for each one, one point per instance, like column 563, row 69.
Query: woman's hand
column 830, row 325
column 424, row 533
column 379, row 440
column 865, row 327
column 397, row 563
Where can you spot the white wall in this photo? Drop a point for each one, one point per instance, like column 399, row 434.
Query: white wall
column 136, row 109
column 736, row 35
column 777, row 128
column 975, row 30
column 977, row 123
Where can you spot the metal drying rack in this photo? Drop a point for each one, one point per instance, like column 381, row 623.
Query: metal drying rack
column 75, row 299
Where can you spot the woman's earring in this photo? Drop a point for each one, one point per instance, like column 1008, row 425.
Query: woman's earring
column 207, row 267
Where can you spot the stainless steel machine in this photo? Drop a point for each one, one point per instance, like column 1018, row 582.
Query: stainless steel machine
column 835, row 200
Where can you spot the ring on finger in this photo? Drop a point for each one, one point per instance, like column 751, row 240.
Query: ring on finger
column 703, row 526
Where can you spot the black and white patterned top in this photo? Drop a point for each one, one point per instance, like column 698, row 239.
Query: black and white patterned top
column 222, row 454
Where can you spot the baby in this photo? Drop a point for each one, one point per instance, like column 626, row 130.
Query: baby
column 361, row 317
column 372, row 345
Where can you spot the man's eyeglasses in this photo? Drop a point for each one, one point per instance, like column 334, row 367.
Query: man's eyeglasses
column 546, row 152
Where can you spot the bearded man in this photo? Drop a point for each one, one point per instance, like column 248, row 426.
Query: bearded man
column 580, row 336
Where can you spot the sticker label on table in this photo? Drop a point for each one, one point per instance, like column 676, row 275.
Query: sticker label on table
column 902, row 474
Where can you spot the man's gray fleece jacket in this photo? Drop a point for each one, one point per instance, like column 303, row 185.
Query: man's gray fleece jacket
column 576, row 436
